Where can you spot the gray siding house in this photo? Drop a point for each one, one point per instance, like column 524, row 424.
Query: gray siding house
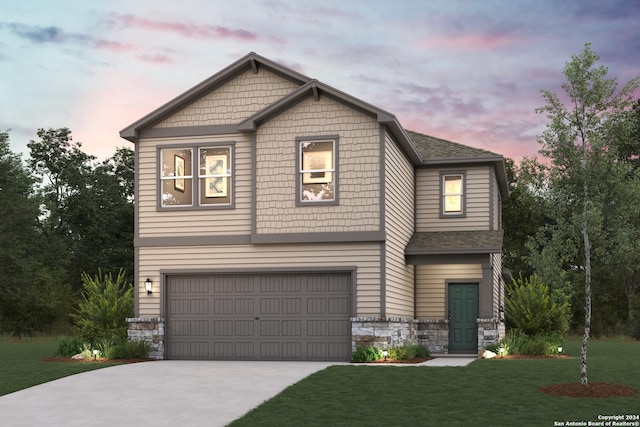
column 278, row 218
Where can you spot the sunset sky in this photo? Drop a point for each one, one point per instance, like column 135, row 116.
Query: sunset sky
column 467, row 71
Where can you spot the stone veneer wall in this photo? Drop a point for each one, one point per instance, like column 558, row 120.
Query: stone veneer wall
column 432, row 334
column 151, row 330
column 490, row 331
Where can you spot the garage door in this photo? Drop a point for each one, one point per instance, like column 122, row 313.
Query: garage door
column 259, row 317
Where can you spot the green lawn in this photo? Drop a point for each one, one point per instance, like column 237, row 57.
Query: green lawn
column 22, row 364
column 487, row 392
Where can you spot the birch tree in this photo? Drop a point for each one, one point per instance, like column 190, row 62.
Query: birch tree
column 584, row 133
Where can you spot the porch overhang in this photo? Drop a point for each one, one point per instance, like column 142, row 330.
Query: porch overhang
column 463, row 245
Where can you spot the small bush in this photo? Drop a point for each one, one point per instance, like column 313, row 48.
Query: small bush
column 69, row 346
column 407, row 352
column 129, row 350
column 366, row 354
column 536, row 347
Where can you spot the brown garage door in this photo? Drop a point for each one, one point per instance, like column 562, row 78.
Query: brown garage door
column 259, row 317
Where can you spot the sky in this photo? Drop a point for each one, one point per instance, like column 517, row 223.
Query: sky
column 466, row 71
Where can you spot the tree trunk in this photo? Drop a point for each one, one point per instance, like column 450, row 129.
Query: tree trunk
column 587, row 314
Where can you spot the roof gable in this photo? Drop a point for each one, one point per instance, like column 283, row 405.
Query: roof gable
column 251, row 61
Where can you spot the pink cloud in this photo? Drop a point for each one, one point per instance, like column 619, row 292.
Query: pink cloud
column 184, row 29
column 467, row 42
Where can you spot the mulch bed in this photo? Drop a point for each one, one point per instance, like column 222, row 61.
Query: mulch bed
column 591, row 390
column 98, row 360
column 396, row 361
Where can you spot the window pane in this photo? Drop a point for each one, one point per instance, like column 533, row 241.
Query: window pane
column 215, row 175
column 317, row 170
column 176, row 177
column 452, row 189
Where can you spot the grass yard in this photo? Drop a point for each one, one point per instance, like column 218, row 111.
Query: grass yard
column 22, row 364
column 487, row 392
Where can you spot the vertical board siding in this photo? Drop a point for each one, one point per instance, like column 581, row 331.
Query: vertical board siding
column 234, row 101
column 357, row 169
column 365, row 257
column 478, row 206
column 399, row 226
column 431, row 286
column 197, row 222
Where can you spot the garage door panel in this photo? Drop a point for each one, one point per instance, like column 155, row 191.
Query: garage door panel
column 270, row 328
column 291, row 328
column 223, row 306
column 244, row 306
column 316, row 306
column 270, row 306
column 223, row 328
column 303, row 316
column 243, row 328
column 291, row 305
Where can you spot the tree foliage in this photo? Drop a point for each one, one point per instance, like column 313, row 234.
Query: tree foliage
column 105, row 305
column 62, row 213
column 587, row 129
column 533, row 308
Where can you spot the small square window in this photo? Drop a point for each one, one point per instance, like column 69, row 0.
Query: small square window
column 452, row 194
column 317, row 173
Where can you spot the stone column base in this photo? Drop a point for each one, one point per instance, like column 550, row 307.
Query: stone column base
column 151, row 330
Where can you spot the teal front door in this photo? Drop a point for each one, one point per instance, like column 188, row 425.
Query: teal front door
column 463, row 315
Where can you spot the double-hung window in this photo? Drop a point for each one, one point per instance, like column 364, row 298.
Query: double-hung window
column 199, row 176
column 452, row 189
column 317, row 174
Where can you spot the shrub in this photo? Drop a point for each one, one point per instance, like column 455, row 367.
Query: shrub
column 69, row 346
column 129, row 350
column 407, row 352
column 515, row 342
column 534, row 309
column 366, row 354
column 105, row 305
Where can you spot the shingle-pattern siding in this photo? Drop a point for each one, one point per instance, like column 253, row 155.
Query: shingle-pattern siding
column 431, row 289
column 197, row 222
column 364, row 256
column 399, row 224
column 358, row 170
column 498, row 288
column 477, row 200
column 234, row 101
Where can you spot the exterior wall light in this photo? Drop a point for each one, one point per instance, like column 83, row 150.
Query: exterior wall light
column 147, row 286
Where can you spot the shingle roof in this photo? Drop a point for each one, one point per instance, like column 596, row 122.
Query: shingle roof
column 458, row 242
column 432, row 148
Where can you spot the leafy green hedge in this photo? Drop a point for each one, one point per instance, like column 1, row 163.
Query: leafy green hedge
column 517, row 343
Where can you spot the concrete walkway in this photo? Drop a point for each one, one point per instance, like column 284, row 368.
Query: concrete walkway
column 162, row 393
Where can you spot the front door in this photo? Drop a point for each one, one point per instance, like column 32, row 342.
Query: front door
column 463, row 315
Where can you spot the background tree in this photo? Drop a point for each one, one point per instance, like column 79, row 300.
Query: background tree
column 29, row 299
column 582, row 140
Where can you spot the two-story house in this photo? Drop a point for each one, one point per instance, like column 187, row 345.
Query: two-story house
column 278, row 218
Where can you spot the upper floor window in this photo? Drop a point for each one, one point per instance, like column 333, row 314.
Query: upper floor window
column 317, row 171
column 452, row 194
column 203, row 181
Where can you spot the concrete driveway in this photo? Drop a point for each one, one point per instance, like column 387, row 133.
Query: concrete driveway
column 158, row 393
